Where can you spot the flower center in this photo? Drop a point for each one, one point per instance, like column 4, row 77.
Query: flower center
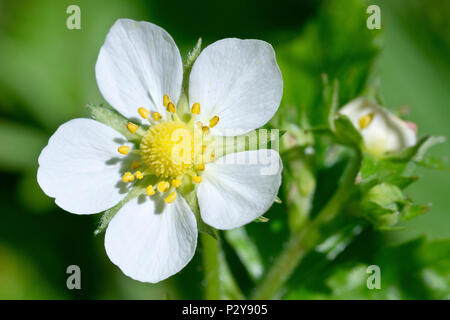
column 167, row 149
column 170, row 150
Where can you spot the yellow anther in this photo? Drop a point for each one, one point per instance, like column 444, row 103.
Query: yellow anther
column 203, row 148
column 213, row 157
column 197, row 179
column 201, row 167
column 135, row 165
column 163, row 186
column 213, row 122
column 143, row 112
column 132, row 127
column 139, row 175
column 166, row 100
column 176, row 183
column 171, row 197
column 123, row 149
column 366, row 120
column 171, row 107
column 128, row 177
column 195, row 108
column 150, row 191
column 205, row 129
column 156, row 116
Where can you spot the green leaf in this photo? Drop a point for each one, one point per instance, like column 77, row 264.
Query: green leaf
column 385, row 170
column 413, row 270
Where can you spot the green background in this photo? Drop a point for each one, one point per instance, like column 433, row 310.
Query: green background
column 47, row 76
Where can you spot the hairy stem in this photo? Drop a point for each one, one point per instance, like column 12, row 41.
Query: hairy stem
column 308, row 238
column 211, row 252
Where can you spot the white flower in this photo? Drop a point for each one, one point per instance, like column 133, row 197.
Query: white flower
column 381, row 131
column 234, row 84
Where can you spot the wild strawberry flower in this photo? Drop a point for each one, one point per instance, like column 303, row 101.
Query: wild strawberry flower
column 89, row 167
column 382, row 132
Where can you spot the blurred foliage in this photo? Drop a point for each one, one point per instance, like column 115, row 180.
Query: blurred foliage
column 413, row 270
column 47, row 77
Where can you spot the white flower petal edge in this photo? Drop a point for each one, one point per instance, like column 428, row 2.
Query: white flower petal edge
column 149, row 240
column 232, row 194
column 385, row 133
column 78, row 167
column 138, row 63
column 239, row 81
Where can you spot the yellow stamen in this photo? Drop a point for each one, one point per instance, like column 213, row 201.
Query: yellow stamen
column 132, row 127
column 150, row 191
column 135, row 165
column 197, row 179
column 163, row 186
column 171, row 197
column 123, row 149
column 171, row 107
column 176, row 183
column 166, row 100
column 213, row 157
column 205, row 129
column 143, row 112
column 139, row 175
column 195, row 108
column 366, row 120
column 156, row 116
column 203, row 148
column 201, row 167
column 213, row 122
column 128, row 177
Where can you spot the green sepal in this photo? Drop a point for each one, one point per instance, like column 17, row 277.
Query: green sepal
column 192, row 201
column 346, row 132
column 261, row 219
column 261, row 139
column 191, row 57
column 417, row 152
column 411, row 211
column 107, row 216
column 382, row 204
column 115, row 120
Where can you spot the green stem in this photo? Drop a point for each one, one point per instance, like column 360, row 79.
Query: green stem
column 211, row 253
column 308, row 238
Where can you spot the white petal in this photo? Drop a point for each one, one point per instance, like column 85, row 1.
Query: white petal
column 385, row 133
column 239, row 81
column 138, row 63
column 80, row 167
column 150, row 240
column 235, row 192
